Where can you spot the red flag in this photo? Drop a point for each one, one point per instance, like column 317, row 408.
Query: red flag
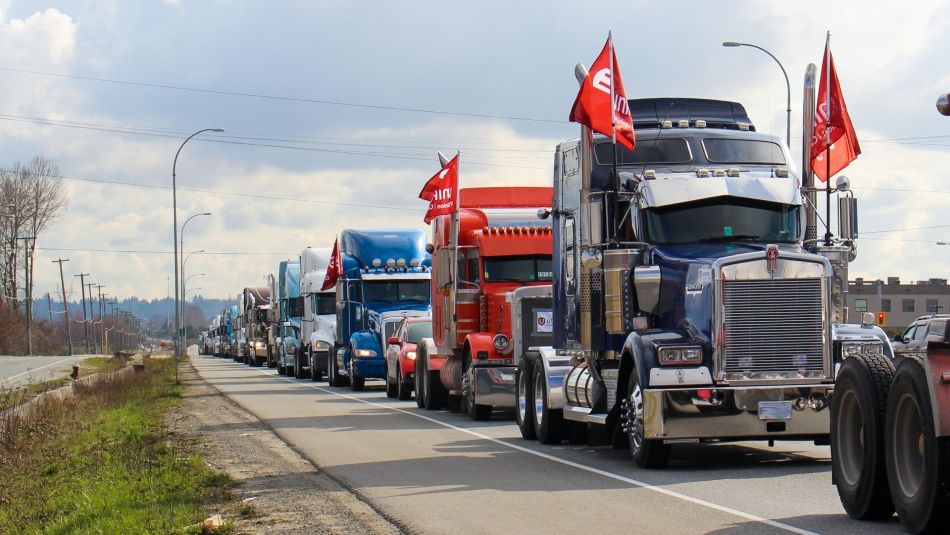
column 604, row 85
column 334, row 268
column 834, row 137
column 442, row 190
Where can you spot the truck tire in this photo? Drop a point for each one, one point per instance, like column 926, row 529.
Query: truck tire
column 270, row 357
column 524, row 398
column 333, row 377
column 357, row 384
column 918, row 461
column 315, row 372
column 476, row 412
column 392, row 387
column 646, row 453
column 549, row 423
column 404, row 387
column 858, row 409
column 298, row 363
column 434, row 392
column 420, row 374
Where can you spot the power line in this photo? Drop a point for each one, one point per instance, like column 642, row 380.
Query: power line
column 146, row 251
column 903, row 229
column 284, row 98
column 231, row 193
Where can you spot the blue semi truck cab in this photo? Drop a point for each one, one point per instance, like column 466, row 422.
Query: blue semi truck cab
column 289, row 312
column 385, row 277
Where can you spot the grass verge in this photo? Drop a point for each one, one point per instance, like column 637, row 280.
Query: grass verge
column 100, row 462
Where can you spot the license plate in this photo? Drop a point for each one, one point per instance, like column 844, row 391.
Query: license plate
column 775, row 410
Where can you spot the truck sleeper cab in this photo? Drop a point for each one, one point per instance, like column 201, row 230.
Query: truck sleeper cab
column 685, row 300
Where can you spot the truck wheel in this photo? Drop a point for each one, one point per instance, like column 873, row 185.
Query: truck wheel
column 357, row 384
column 646, row 453
column 524, row 398
column 918, row 462
column 270, row 358
column 392, row 387
column 469, row 402
column 420, row 376
column 858, row 409
column 548, row 423
column 298, row 363
column 315, row 372
column 435, row 392
column 333, row 377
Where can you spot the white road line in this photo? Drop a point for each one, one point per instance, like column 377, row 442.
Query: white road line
column 572, row 464
column 12, row 377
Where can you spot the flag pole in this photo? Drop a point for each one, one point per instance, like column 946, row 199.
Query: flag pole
column 828, row 139
column 615, row 181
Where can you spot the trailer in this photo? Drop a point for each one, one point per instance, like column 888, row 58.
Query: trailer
column 318, row 325
column 256, row 308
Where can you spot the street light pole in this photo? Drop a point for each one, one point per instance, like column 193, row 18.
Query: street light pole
column 184, row 304
column 69, row 330
column 85, row 324
column 181, row 247
column 788, row 88
column 175, row 227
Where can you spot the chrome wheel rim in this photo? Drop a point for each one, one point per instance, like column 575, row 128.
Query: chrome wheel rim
column 539, row 402
column 522, row 398
column 908, row 451
column 850, row 438
column 632, row 410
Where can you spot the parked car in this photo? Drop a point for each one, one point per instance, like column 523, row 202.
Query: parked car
column 924, row 329
column 401, row 355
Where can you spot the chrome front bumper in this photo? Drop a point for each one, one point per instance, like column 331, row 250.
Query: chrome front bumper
column 734, row 413
column 495, row 386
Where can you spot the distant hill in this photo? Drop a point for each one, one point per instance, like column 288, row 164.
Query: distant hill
column 199, row 311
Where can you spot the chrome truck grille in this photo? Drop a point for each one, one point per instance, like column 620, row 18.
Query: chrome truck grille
column 537, row 320
column 773, row 330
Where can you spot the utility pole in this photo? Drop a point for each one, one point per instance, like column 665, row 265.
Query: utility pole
column 85, row 318
column 49, row 306
column 28, row 293
column 102, row 324
column 92, row 315
column 69, row 329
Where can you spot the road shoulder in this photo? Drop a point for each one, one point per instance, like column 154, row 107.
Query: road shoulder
column 277, row 490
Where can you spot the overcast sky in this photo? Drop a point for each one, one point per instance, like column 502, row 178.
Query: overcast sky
column 334, row 112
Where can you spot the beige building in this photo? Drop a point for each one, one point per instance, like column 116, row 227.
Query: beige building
column 901, row 303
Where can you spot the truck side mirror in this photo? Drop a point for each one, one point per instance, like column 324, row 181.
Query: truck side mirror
column 847, row 217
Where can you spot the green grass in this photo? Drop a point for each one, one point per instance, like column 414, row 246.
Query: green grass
column 102, row 462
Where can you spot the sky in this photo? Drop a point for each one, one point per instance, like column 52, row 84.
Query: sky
column 334, row 112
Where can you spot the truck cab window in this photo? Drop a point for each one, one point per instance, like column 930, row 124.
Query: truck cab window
column 532, row 268
column 323, row 303
column 721, row 219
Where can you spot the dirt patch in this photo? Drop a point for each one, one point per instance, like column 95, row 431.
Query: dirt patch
column 277, row 490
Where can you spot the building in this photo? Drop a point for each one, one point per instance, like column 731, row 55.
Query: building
column 900, row 303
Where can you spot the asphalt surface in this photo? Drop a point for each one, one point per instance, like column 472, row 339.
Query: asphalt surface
column 20, row 371
column 436, row 472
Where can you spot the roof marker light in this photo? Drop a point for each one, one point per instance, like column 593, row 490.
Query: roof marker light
column 377, row 262
column 732, row 172
column 718, row 172
column 700, row 123
column 401, row 262
column 414, row 262
column 683, row 123
column 666, row 124
column 649, row 174
column 391, row 262
column 702, row 172
column 781, row 172
column 744, row 127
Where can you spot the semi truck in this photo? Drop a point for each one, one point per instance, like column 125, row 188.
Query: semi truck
column 289, row 307
column 256, row 308
column 890, row 434
column 385, row 277
column 692, row 299
column 491, row 299
column 318, row 325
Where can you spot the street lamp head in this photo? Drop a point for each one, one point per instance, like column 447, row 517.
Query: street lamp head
column 731, row 44
column 206, row 213
column 217, row 129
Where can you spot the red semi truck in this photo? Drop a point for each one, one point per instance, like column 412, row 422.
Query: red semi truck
column 490, row 299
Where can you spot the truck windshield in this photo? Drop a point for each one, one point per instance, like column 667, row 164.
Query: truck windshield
column 723, row 219
column 743, row 151
column 518, row 269
column 667, row 150
column 324, row 303
column 396, row 291
column 419, row 330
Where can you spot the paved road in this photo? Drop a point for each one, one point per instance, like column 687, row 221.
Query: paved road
column 435, row 472
column 19, row 371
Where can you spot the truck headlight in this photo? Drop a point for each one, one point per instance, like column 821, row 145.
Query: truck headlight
column 363, row 353
column 322, row 346
column 411, row 355
column 854, row 349
column 501, row 342
column 680, row 355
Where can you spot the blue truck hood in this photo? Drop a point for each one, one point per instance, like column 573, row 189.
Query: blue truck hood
column 386, row 306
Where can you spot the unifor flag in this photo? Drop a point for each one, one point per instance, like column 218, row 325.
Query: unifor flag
column 334, row 268
column 442, row 190
column 601, row 103
column 834, row 143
